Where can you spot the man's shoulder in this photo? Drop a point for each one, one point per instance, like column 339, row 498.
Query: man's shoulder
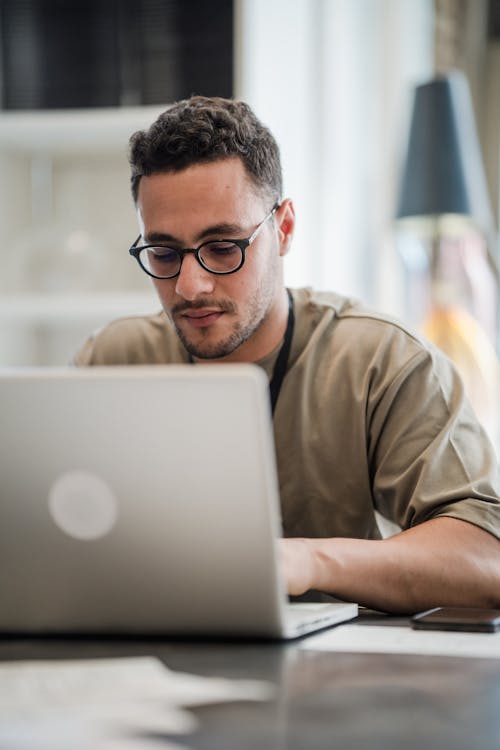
column 138, row 339
column 340, row 338
column 347, row 317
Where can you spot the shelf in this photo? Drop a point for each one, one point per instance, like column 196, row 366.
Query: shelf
column 60, row 310
column 74, row 131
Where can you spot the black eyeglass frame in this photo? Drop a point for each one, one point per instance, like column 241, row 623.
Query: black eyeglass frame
column 243, row 245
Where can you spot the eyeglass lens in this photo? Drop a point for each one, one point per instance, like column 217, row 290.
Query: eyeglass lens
column 165, row 262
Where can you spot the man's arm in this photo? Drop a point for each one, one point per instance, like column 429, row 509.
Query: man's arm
column 441, row 562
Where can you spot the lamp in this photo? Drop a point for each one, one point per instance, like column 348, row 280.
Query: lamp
column 446, row 238
column 443, row 173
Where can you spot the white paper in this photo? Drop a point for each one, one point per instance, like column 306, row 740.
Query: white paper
column 105, row 704
column 395, row 640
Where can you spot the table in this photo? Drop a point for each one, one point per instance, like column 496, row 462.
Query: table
column 325, row 701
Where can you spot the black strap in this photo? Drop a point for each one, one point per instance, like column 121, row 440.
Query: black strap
column 281, row 363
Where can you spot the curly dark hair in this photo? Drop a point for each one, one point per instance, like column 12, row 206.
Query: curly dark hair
column 203, row 129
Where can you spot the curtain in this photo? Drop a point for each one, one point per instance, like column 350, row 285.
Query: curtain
column 333, row 81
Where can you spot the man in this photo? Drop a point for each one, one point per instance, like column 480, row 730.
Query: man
column 366, row 415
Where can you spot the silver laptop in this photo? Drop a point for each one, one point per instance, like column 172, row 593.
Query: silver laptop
column 143, row 500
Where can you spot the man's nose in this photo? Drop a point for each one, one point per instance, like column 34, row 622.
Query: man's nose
column 193, row 280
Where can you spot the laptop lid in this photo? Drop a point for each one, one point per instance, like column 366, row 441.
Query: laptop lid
column 139, row 500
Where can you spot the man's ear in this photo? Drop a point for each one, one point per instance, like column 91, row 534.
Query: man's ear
column 285, row 222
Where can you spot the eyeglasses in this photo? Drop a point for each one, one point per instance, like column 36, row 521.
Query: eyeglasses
column 216, row 256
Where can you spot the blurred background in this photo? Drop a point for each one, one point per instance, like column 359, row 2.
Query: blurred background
column 337, row 83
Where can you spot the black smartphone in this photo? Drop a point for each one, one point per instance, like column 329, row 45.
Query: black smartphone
column 458, row 618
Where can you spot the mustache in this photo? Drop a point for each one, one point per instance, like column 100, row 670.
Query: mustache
column 223, row 305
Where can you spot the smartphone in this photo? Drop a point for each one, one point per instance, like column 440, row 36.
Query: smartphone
column 458, row 618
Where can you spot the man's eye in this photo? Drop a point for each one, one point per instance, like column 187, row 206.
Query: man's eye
column 164, row 254
column 221, row 249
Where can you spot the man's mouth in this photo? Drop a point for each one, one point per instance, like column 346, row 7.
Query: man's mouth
column 201, row 318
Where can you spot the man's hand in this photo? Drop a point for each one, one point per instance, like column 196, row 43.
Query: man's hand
column 298, row 564
column 442, row 562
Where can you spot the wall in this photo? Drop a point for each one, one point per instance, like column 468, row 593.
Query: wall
column 331, row 78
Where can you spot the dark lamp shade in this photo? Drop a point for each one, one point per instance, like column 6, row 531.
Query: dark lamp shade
column 443, row 171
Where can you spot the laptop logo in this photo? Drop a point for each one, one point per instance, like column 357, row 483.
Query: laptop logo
column 83, row 505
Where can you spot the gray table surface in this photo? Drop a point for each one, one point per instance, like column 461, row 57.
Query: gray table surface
column 324, row 700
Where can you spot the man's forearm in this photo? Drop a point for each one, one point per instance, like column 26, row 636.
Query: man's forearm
column 443, row 562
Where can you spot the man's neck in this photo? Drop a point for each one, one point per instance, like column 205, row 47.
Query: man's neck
column 265, row 339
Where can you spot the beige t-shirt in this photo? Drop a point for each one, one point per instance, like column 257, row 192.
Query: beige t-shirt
column 369, row 418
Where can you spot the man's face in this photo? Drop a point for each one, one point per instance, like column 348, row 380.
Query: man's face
column 234, row 315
